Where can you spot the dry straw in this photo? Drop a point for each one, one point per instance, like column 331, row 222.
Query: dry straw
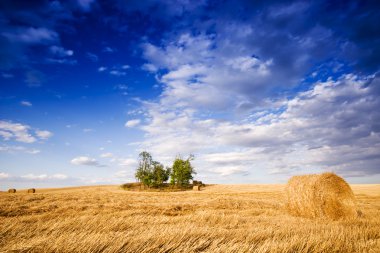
column 12, row 190
column 321, row 195
column 32, row 190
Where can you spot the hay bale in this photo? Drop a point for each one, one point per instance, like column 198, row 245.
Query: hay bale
column 320, row 195
column 32, row 190
column 12, row 190
column 196, row 188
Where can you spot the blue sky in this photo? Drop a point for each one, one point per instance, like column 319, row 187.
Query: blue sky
column 258, row 91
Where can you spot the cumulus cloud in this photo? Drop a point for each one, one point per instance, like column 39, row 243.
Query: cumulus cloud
column 331, row 126
column 16, row 131
column 85, row 160
column 21, row 133
column 132, row 123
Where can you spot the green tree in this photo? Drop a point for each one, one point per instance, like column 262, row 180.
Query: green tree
column 144, row 170
column 160, row 175
column 151, row 173
column 182, row 171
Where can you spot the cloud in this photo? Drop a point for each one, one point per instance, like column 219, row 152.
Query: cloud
column 60, row 51
column 26, row 103
column 128, row 162
column 21, row 133
column 101, row 69
column 7, row 75
column 109, row 50
column 84, row 160
column 149, row 67
column 34, row 78
column 18, row 149
column 132, row 123
column 106, row 155
column 332, row 126
column 44, row 177
column 32, row 35
column 85, row 5
column 4, row 175
column 117, row 73
column 43, row 134
column 16, row 131
column 92, row 57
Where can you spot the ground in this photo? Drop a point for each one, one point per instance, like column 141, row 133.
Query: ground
column 220, row 218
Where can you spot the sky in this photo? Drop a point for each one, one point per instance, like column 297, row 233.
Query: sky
column 258, row 91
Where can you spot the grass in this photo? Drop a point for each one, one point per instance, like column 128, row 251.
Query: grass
column 220, row 218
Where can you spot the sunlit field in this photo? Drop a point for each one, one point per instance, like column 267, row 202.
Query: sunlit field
column 220, row 218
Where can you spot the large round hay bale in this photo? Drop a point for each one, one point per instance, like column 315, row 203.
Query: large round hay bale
column 32, row 190
column 12, row 190
column 320, row 195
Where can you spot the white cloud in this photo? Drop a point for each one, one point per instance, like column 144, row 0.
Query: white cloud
column 149, row 67
column 4, row 175
column 18, row 149
column 132, row 123
column 43, row 134
column 26, row 103
column 101, row 69
column 128, row 162
column 16, row 131
column 84, row 160
column 332, row 126
column 44, row 177
column 59, row 176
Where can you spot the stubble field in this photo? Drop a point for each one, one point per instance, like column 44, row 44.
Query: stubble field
column 220, row 218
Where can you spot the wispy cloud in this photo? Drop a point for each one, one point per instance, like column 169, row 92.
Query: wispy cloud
column 26, row 103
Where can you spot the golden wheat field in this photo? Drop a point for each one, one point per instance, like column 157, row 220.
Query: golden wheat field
column 220, row 218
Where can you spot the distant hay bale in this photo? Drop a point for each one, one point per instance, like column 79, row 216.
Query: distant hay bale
column 12, row 190
column 320, row 195
column 196, row 188
column 32, row 190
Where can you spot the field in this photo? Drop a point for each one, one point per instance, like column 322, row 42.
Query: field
column 220, row 218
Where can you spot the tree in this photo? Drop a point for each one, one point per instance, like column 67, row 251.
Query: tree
column 182, row 171
column 144, row 170
column 151, row 173
column 160, row 175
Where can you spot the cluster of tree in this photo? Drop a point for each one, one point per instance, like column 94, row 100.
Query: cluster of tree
column 153, row 174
